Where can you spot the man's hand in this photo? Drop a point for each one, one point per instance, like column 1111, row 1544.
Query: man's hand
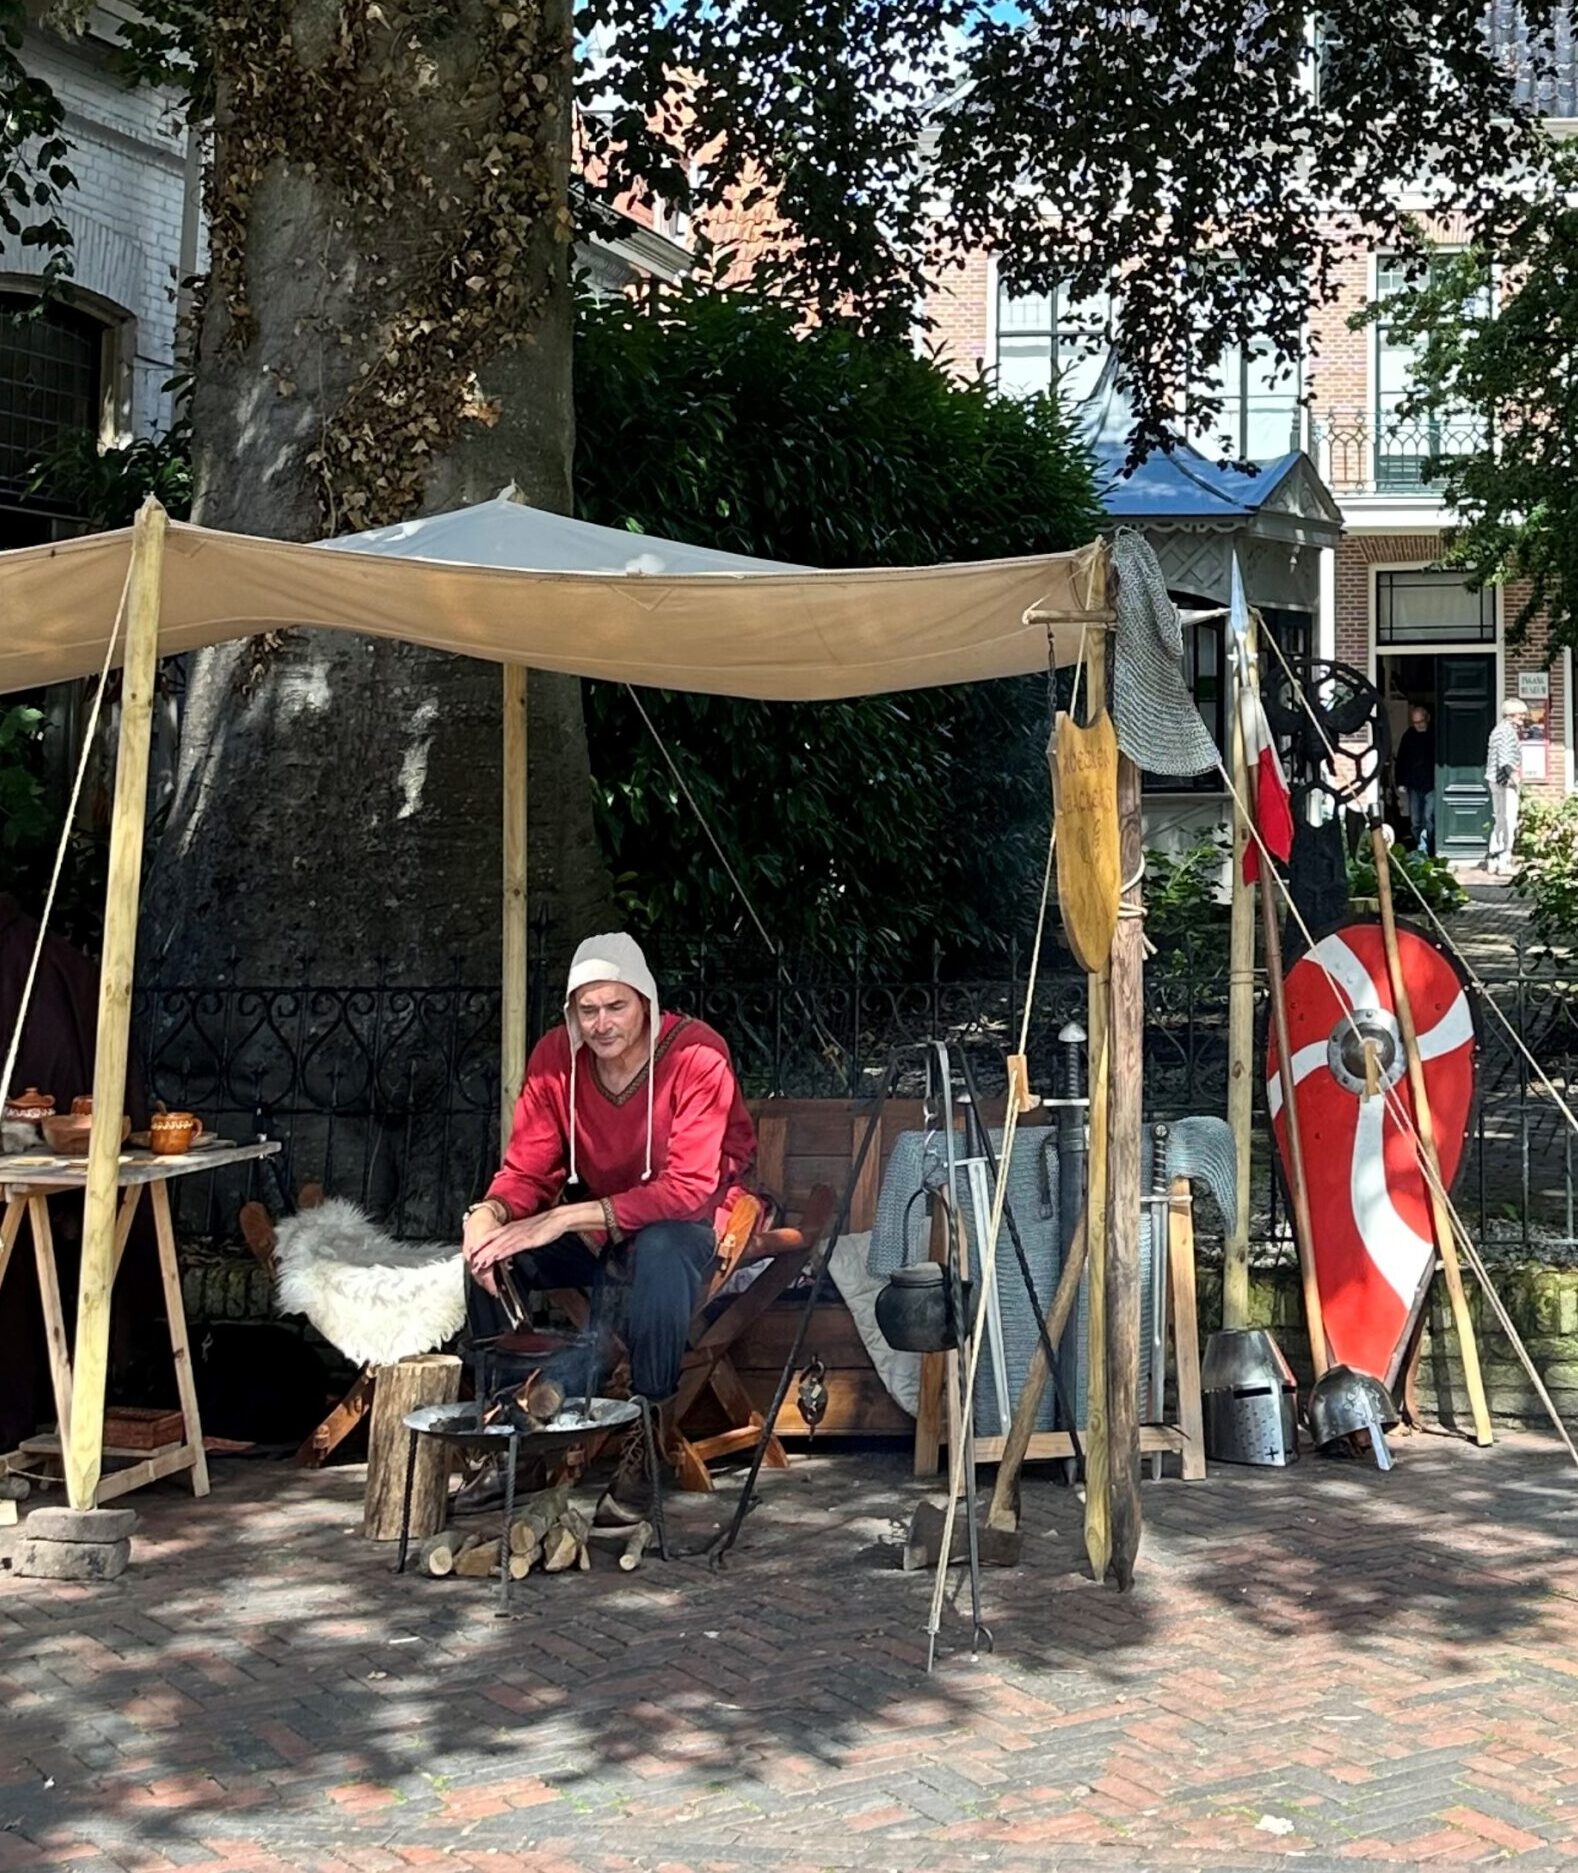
column 480, row 1227
column 531, row 1232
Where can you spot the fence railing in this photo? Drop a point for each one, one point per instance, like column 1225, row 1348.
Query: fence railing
column 1373, row 452
column 388, row 1094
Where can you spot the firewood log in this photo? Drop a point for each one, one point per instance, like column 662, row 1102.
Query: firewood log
column 478, row 1562
column 437, row 1554
column 537, row 1514
column 566, row 1542
column 520, row 1565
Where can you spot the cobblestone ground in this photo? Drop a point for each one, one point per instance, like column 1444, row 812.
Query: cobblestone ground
column 1320, row 1668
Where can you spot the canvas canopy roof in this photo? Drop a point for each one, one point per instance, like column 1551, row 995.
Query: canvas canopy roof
column 512, row 584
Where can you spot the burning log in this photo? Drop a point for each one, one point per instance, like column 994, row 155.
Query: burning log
column 531, row 1405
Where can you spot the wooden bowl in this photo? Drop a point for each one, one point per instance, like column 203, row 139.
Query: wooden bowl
column 68, row 1135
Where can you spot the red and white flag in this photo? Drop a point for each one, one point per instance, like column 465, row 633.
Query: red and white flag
column 1273, row 806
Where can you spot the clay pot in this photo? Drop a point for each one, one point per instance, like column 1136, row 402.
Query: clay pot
column 82, row 1106
column 171, row 1133
column 30, row 1107
column 68, row 1135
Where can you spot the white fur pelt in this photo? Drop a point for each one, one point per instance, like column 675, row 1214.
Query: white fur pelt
column 375, row 1299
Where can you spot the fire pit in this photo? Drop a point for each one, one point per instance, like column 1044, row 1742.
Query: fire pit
column 577, row 1419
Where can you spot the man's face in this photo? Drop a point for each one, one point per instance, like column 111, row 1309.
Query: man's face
column 1420, row 718
column 612, row 1018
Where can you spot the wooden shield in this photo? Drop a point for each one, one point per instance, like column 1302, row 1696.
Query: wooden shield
column 1089, row 871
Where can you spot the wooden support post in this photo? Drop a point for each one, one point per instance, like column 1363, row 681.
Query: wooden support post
column 513, row 1003
column 1240, row 1035
column 54, row 1321
column 84, row 1445
column 1303, row 1229
column 1098, row 1506
column 427, row 1379
column 1125, row 1044
column 1446, row 1242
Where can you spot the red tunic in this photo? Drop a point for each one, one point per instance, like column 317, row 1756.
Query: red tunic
column 702, row 1136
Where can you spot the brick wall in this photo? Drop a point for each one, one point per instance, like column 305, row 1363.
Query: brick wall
column 959, row 307
column 1359, row 554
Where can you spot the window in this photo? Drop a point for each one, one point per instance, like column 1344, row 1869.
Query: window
column 1429, row 607
column 51, row 386
column 1205, row 664
column 1403, row 445
column 1261, row 415
column 1049, row 341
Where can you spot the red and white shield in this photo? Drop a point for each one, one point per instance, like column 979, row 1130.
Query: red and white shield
column 1374, row 1241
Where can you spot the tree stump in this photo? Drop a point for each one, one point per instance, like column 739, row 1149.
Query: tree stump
column 427, row 1379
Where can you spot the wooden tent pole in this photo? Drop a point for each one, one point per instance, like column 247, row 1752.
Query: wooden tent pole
column 1446, row 1242
column 1303, row 1229
column 513, row 1010
column 1125, row 1043
column 83, row 1443
column 1098, row 1504
column 1240, row 1034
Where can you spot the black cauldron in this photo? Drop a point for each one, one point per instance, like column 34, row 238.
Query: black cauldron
column 915, row 1310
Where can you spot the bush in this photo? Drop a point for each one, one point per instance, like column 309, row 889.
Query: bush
column 1185, row 914
column 1548, row 867
column 1436, row 881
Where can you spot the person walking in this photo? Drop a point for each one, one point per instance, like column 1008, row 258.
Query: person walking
column 1415, row 775
column 1503, row 773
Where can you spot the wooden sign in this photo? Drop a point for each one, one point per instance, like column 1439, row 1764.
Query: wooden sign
column 1089, row 874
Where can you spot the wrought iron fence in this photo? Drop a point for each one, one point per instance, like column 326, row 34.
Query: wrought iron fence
column 388, row 1093
column 1376, row 452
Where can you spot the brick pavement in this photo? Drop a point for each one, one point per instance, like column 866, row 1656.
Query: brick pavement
column 1318, row 1669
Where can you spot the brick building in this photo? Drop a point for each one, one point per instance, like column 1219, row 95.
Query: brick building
column 1387, row 606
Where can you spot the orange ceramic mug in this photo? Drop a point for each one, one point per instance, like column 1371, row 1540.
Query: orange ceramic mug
column 170, row 1133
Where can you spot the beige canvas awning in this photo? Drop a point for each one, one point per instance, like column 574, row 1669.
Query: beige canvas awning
column 511, row 584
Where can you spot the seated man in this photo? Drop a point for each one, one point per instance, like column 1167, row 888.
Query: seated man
column 630, row 1138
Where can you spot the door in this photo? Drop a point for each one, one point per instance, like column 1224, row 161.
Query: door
column 1465, row 715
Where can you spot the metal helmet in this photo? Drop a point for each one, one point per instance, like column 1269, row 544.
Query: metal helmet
column 1343, row 1402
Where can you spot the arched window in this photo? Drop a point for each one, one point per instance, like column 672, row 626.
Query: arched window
column 51, row 386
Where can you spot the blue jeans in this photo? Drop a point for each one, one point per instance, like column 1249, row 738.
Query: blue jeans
column 1422, row 817
column 666, row 1264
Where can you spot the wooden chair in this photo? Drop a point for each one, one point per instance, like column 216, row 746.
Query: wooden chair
column 708, row 1373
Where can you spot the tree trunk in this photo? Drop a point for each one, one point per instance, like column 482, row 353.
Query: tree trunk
column 386, row 332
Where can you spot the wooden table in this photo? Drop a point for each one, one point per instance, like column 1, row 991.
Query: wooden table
column 27, row 1181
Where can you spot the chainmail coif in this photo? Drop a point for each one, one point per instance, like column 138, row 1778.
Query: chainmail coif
column 1158, row 726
